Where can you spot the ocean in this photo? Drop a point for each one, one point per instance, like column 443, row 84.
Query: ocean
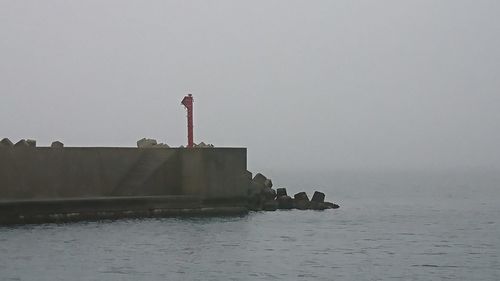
column 391, row 226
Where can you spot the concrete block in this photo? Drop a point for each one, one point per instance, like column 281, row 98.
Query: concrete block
column 21, row 143
column 318, row 197
column 248, row 175
column 6, row 142
column 255, row 202
column 268, row 183
column 331, row 205
column 254, row 189
column 302, row 204
column 319, row 206
column 281, row 192
column 285, row 202
column 301, row 196
column 271, row 205
column 260, row 179
column 268, row 193
column 301, row 201
column 146, row 143
column 31, row 143
column 57, row 144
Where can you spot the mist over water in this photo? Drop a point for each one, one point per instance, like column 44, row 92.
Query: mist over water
column 336, row 84
column 392, row 108
column 403, row 226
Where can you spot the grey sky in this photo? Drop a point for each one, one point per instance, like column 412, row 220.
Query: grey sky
column 302, row 84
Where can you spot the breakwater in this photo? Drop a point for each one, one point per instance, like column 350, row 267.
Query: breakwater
column 52, row 184
column 60, row 184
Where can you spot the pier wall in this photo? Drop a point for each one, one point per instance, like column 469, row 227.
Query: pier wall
column 28, row 173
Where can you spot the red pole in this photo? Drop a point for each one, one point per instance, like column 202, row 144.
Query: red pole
column 187, row 101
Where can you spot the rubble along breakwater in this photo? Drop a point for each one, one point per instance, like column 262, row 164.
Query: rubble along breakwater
column 58, row 183
column 262, row 197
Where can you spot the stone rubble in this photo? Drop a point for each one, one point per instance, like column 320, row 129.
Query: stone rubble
column 150, row 143
column 22, row 143
column 263, row 197
column 57, row 144
column 203, row 145
column 31, row 143
column 6, row 143
column 146, row 143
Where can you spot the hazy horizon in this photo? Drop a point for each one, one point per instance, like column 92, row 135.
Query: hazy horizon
column 313, row 85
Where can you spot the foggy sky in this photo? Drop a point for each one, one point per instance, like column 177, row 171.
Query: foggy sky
column 302, row 84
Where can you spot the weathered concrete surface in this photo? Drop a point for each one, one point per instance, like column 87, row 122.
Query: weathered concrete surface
column 214, row 173
column 74, row 209
column 217, row 177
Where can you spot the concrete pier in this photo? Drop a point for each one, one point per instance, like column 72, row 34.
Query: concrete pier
column 44, row 184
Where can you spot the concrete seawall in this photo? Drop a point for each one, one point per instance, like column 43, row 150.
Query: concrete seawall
column 45, row 184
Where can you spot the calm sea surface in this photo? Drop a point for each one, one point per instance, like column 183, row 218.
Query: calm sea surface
column 403, row 226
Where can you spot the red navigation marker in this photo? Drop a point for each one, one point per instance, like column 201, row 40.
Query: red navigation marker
column 187, row 101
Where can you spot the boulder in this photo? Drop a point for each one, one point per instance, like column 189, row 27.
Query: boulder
column 21, row 143
column 285, row 202
column 318, row 197
column 281, row 192
column 268, row 183
column 6, row 142
column 31, row 143
column 270, row 205
column 57, row 144
column 146, row 143
column 260, row 179
column 268, row 193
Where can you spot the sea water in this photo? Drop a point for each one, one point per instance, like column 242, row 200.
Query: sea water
column 391, row 226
